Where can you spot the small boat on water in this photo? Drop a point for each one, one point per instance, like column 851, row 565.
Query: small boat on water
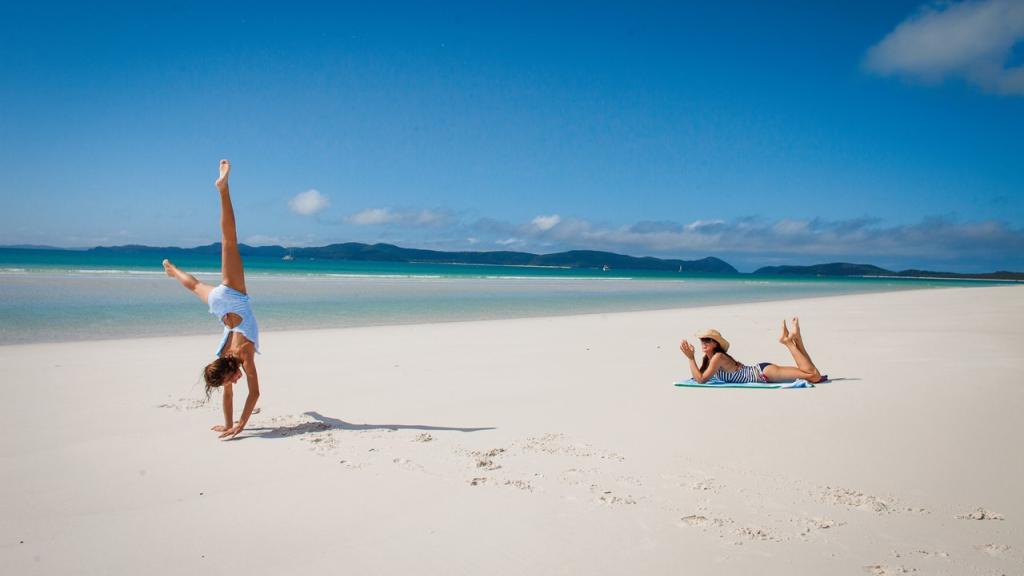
column 605, row 268
column 287, row 257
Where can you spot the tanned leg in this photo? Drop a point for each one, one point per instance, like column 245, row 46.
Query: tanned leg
column 793, row 341
column 188, row 281
column 230, row 260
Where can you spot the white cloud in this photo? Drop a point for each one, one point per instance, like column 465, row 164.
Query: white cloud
column 704, row 224
column 543, row 223
column 786, row 241
column 288, row 241
column 971, row 40
column 790, row 227
column 429, row 218
column 379, row 216
column 372, row 217
column 308, row 203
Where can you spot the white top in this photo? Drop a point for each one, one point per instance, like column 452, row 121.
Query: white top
column 224, row 300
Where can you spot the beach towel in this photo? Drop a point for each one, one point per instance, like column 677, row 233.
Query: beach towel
column 716, row 383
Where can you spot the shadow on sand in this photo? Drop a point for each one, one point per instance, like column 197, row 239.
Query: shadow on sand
column 321, row 423
column 831, row 380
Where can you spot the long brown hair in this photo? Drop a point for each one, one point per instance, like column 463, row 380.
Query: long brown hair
column 716, row 350
column 216, row 371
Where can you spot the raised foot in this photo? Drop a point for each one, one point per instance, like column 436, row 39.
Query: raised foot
column 796, row 328
column 168, row 267
column 786, row 338
column 222, row 181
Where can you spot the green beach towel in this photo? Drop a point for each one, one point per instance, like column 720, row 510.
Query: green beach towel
column 716, row 383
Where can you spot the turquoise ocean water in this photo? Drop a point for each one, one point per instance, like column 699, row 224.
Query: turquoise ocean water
column 53, row 296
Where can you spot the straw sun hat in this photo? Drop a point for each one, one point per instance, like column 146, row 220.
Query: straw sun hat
column 716, row 336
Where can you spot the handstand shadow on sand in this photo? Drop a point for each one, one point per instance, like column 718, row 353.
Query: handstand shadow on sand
column 322, row 423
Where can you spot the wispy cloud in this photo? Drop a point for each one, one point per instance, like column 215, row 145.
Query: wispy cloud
column 270, row 240
column 934, row 239
column 971, row 40
column 543, row 223
column 751, row 241
column 308, row 203
column 383, row 216
column 372, row 217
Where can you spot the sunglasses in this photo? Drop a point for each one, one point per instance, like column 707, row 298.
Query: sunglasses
column 707, row 340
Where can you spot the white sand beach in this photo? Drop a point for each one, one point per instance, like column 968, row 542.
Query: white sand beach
column 533, row 446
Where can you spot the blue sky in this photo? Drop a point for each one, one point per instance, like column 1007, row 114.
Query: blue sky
column 761, row 133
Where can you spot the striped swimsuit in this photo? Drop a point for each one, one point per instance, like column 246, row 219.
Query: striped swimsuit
column 743, row 375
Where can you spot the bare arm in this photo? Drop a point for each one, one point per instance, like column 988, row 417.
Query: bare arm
column 229, row 406
column 252, row 379
column 716, row 361
column 229, row 411
column 713, row 365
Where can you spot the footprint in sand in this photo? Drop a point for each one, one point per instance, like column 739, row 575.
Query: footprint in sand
column 183, row 404
column 881, row 570
column 485, row 460
column 755, row 533
column 520, row 484
column 575, row 476
column 701, row 521
column 815, row 524
column 980, row 514
column 606, row 496
column 705, row 485
column 857, row 499
column 559, row 444
column 320, row 442
column 407, row 464
column 931, row 554
column 993, row 549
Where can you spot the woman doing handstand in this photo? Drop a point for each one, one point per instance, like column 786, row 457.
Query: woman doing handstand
column 229, row 302
column 719, row 364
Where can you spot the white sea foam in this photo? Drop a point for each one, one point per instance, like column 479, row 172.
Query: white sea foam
column 115, row 272
column 377, row 276
column 553, row 278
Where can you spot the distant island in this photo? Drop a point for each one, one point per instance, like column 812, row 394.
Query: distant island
column 585, row 259
column 846, row 269
column 392, row 253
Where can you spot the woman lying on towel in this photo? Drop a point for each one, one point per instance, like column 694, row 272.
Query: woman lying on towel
column 718, row 364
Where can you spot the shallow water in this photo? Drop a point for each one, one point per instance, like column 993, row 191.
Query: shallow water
column 67, row 297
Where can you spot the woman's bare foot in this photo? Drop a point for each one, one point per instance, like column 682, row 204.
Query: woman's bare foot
column 168, row 267
column 222, row 182
column 796, row 330
column 786, row 338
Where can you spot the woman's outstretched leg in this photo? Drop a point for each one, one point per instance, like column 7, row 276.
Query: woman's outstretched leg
column 804, row 368
column 230, row 260
column 188, row 281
